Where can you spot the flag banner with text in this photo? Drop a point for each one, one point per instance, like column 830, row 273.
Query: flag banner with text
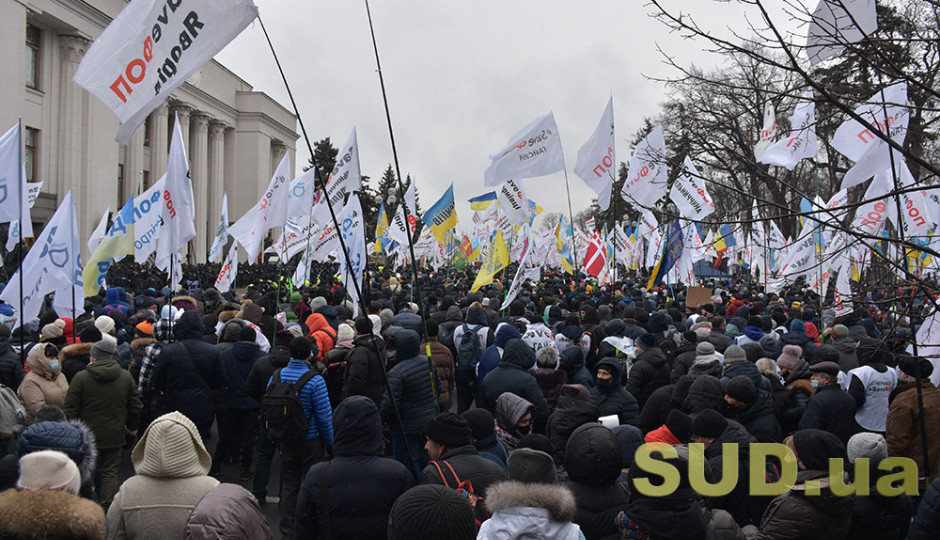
column 597, row 159
column 534, row 151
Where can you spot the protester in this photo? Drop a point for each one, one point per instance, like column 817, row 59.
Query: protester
column 44, row 384
column 453, row 458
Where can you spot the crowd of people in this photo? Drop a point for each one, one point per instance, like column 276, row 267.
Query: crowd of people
column 436, row 412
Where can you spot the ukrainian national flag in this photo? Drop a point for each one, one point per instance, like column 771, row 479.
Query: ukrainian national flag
column 119, row 241
column 496, row 260
column 381, row 232
column 442, row 217
column 672, row 250
column 482, row 202
column 725, row 238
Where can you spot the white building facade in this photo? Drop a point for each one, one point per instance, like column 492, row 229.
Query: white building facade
column 235, row 136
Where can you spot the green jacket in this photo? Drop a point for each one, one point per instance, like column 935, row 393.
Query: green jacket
column 105, row 397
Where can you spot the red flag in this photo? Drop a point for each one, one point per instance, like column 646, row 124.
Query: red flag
column 595, row 260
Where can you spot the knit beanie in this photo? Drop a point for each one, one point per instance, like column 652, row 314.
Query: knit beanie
column 299, row 348
column 709, row 424
column 840, row 331
column 790, row 357
column 735, row 353
column 345, row 333
column 295, row 330
column 796, row 325
column 105, row 324
column 481, row 421
column 531, row 466
column 646, row 341
column 49, row 470
column 449, row 429
column 89, row 334
column 909, row 365
column 816, row 447
column 53, row 329
column 702, row 333
column 742, row 389
column 247, row 333
column 547, row 357
column 145, row 328
column 704, row 353
column 867, row 445
column 679, row 424
column 317, row 303
column 104, row 350
column 630, row 438
column 430, row 512
column 363, row 326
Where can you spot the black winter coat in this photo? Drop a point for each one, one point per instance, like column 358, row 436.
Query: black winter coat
column 263, row 369
column 572, row 361
column 927, row 521
column 512, row 375
column 759, row 419
column 833, row 410
column 11, row 366
column 569, row 415
column 795, row 515
column 743, row 507
column 411, row 388
column 875, row 517
column 685, row 357
column 648, row 372
column 615, row 400
column 362, row 485
column 238, row 361
column 469, row 465
column 184, row 386
column 801, row 340
column 594, row 460
column 365, row 373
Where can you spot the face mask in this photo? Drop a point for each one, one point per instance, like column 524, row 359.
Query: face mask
column 524, row 430
column 814, row 382
column 54, row 365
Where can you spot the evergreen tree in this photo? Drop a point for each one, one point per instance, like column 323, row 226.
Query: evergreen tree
column 325, row 155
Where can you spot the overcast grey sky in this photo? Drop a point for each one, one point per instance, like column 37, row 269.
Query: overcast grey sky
column 463, row 77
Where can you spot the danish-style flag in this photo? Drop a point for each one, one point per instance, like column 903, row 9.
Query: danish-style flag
column 595, row 260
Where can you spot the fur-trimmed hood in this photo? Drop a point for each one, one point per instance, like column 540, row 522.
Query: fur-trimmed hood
column 142, row 343
column 75, row 351
column 227, row 315
column 558, row 500
column 50, row 514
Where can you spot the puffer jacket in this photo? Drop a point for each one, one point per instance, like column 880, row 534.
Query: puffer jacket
column 41, row 386
column 321, row 333
column 798, row 515
column 492, row 355
column 105, row 397
column 877, row 517
column 227, row 512
column 593, row 460
column 569, row 415
column 745, row 508
column 512, row 375
column 181, row 385
column 314, row 399
column 648, row 372
column 362, row 483
column 615, row 400
column 73, row 438
column 238, row 360
column 364, row 370
column 442, row 358
column 927, row 521
column 530, row 511
column 11, row 366
column 171, row 466
column 411, row 388
column 685, row 357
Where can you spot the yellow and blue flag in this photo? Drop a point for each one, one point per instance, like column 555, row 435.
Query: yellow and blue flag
column 672, row 250
column 482, row 202
column 442, row 216
column 382, row 240
column 117, row 242
column 496, row 260
column 725, row 238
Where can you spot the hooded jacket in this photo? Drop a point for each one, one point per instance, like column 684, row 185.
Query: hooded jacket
column 530, row 511
column 73, row 438
column 796, row 337
column 185, row 384
column 759, row 419
column 171, row 465
column 263, row 368
column 365, row 373
column 572, row 361
column 615, row 399
column 799, row 390
column 362, row 484
column 104, row 397
column 410, row 384
column 41, row 386
column 648, row 372
column 569, row 415
column 238, row 360
column 11, row 367
column 321, row 333
column 510, row 408
column 492, row 355
column 512, row 375
column 593, row 460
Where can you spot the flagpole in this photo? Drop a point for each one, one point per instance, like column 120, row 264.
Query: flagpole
column 19, row 181
column 574, row 251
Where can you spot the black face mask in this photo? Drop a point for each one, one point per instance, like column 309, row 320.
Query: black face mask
column 606, row 385
column 524, row 430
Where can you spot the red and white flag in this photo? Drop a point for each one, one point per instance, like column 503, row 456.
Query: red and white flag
column 596, row 259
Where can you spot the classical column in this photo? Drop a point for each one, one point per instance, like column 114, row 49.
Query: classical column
column 159, row 151
column 216, row 186
column 182, row 112
column 133, row 164
column 199, row 174
column 71, row 118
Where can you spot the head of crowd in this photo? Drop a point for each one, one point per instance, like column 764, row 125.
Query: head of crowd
column 576, row 410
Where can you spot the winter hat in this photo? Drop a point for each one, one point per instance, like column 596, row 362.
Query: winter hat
column 689, row 337
column 449, row 429
column 295, row 330
column 89, row 334
column 50, row 413
column 867, row 445
column 145, row 328
column 709, row 424
column 386, row 316
column 9, row 471
column 49, row 470
column 679, row 424
column 481, row 421
column 646, row 341
column 909, row 364
column 547, row 357
column 815, row 447
column 53, row 330
column 4, row 331
column 376, row 324
column 735, row 353
column 104, row 350
column 531, row 466
column 299, row 348
column 829, row 368
column 702, row 333
column 317, row 303
column 705, row 353
column 840, row 331
column 171, row 448
column 105, row 324
column 630, row 438
column 797, row 326
column 742, row 389
column 363, row 326
column 345, row 333
column 790, row 357
column 576, row 391
column 429, row 512
column 247, row 333
column 707, row 325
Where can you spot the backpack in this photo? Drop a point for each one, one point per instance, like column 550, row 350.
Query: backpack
column 281, row 410
column 12, row 413
column 445, row 335
column 465, row 489
column 468, row 354
column 329, row 345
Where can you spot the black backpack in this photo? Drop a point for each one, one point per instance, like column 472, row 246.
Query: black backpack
column 468, row 354
column 281, row 410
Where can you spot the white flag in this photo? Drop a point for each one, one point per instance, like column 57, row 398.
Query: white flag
column 298, row 234
column 858, row 143
column 596, row 163
column 178, row 211
column 801, row 143
column 148, row 220
column 767, row 131
column 302, row 272
column 302, row 189
column 534, row 151
column 229, row 270
column 355, row 239
column 221, row 232
column 690, row 193
column 98, row 233
column 151, row 48
column 529, row 269
column 837, row 22
column 397, row 229
column 53, row 262
column 12, row 178
column 269, row 212
column 646, row 176
column 13, row 236
column 513, row 202
column 345, row 177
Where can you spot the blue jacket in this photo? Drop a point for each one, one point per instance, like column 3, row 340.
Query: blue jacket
column 315, row 400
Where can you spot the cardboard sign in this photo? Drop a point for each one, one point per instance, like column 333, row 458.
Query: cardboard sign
column 698, row 297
